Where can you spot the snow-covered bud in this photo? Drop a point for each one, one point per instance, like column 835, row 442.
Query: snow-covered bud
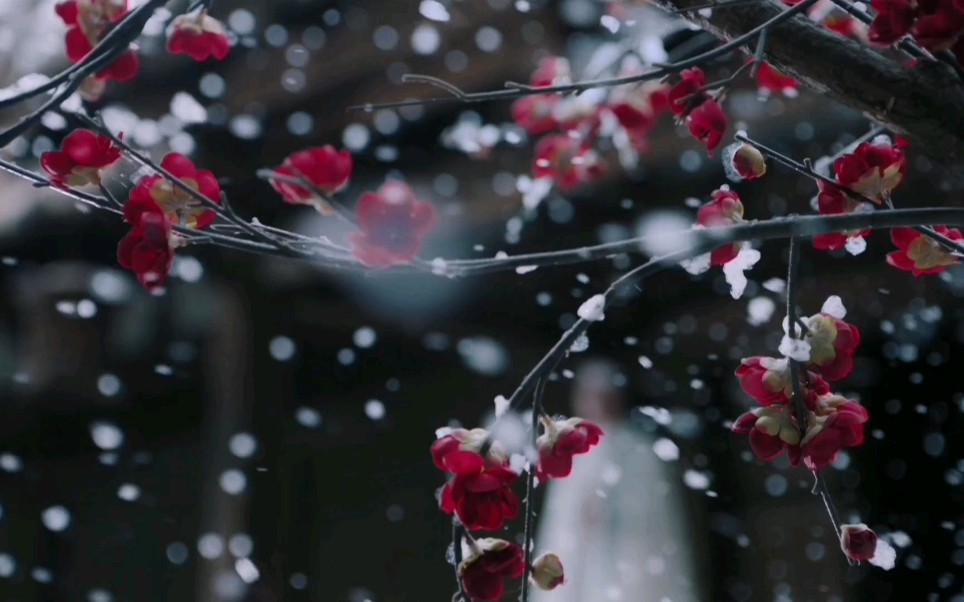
column 547, row 572
column 858, row 541
column 748, row 162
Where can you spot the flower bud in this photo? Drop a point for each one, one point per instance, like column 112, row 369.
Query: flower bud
column 748, row 162
column 547, row 572
column 858, row 541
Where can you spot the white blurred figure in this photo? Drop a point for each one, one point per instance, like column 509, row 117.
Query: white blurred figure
column 617, row 521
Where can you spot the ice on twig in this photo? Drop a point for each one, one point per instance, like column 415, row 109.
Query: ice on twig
column 580, row 344
column 592, row 309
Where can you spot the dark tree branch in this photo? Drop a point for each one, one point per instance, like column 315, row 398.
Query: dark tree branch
column 924, row 103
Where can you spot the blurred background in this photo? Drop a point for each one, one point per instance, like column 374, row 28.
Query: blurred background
column 261, row 431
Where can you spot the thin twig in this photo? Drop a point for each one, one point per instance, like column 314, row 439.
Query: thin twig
column 799, row 403
column 820, row 487
column 663, row 71
column 761, row 45
column 528, row 530
column 457, row 533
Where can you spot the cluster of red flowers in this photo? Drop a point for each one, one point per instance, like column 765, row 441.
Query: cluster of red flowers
column 88, row 22
column 832, row 422
column 155, row 205
column 393, row 222
column 873, row 171
column 479, row 493
column 935, row 24
column 573, row 127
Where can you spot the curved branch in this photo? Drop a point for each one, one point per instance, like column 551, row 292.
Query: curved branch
column 704, row 241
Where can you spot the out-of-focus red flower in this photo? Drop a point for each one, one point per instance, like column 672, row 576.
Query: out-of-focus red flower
column 836, row 423
column 199, row 36
column 919, row 254
column 858, row 541
column 832, row 346
column 893, row 20
column 725, row 209
column 686, row 95
column 92, row 17
column 567, row 161
column 178, row 205
column 771, row 81
column 636, row 107
column 842, row 24
column 82, row 156
column 562, row 440
column 940, row 29
column 448, row 451
column 552, row 71
column 873, row 170
column 537, row 114
column 483, row 574
column 393, row 223
column 148, row 250
column 88, row 21
column 480, row 493
column 707, row 123
column 329, row 170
